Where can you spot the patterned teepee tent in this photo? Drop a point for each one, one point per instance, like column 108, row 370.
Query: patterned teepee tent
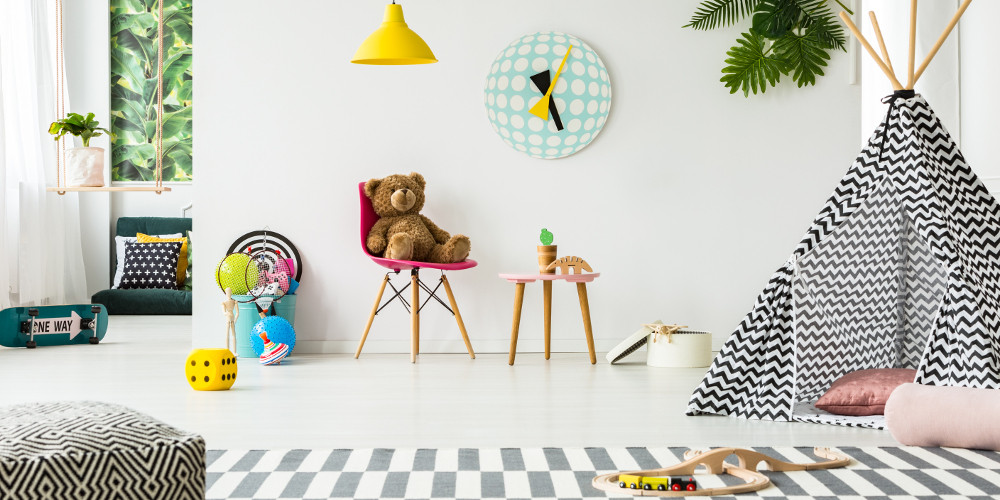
column 900, row 269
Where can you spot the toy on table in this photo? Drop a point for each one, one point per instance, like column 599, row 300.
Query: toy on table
column 228, row 308
column 546, row 237
column 210, row 369
column 274, row 352
column 648, row 482
column 565, row 264
column 277, row 328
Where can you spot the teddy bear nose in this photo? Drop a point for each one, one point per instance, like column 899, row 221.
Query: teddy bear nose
column 406, row 191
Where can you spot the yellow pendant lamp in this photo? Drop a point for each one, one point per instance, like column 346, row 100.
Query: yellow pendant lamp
column 394, row 43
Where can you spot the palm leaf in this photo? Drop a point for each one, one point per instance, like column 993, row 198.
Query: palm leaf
column 805, row 54
column 816, row 14
column 750, row 67
column 715, row 13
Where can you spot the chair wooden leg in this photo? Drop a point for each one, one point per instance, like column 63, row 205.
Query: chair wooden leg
column 414, row 316
column 371, row 318
column 547, row 293
column 458, row 316
column 581, row 290
column 518, row 300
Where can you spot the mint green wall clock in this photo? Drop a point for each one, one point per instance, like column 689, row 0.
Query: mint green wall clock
column 576, row 109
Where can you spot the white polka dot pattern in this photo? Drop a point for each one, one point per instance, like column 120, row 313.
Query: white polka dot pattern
column 582, row 95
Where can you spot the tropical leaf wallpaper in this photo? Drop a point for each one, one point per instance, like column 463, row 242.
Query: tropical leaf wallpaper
column 133, row 89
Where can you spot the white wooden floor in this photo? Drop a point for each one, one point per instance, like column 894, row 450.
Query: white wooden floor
column 443, row 401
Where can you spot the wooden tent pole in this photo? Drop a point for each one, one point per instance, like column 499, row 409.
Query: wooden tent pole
column 944, row 36
column 864, row 43
column 910, row 80
column 881, row 42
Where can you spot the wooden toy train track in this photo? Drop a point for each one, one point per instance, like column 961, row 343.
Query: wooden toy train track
column 714, row 462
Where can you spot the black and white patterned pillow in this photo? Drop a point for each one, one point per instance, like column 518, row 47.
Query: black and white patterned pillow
column 151, row 265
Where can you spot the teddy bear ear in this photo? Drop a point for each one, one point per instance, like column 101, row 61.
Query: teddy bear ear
column 419, row 178
column 371, row 186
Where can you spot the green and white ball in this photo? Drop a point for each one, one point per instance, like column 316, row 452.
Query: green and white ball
column 582, row 95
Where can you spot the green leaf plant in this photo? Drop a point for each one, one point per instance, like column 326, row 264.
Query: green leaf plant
column 786, row 37
column 84, row 127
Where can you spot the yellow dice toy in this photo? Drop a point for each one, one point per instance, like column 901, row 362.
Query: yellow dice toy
column 210, row 369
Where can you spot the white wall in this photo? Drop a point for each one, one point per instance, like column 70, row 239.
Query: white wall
column 980, row 102
column 85, row 37
column 687, row 202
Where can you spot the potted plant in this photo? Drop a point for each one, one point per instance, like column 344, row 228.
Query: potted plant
column 84, row 166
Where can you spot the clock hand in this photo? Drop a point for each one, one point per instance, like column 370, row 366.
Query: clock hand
column 541, row 108
column 541, row 81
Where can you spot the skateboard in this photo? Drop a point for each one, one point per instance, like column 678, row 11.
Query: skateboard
column 53, row 325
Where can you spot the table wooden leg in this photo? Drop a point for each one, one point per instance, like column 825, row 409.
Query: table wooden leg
column 414, row 316
column 581, row 290
column 458, row 316
column 547, row 294
column 518, row 300
column 371, row 318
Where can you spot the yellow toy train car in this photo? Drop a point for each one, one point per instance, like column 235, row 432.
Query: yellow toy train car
column 657, row 483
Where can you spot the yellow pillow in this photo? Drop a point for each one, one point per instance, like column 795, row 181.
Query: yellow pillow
column 182, row 260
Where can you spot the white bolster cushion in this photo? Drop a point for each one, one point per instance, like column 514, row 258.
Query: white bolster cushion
column 956, row 417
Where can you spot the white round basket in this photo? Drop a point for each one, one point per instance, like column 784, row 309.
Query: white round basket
column 682, row 349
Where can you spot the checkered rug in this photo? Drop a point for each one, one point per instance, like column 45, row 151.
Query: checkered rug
column 878, row 473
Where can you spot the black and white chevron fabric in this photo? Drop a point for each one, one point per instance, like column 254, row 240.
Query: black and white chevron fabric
column 899, row 269
column 85, row 449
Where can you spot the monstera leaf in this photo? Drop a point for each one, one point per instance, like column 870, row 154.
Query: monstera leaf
column 786, row 36
column 805, row 54
column 750, row 67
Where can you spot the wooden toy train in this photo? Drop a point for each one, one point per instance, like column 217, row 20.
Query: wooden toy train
column 633, row 482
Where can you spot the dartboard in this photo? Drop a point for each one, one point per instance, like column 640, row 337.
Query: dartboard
column 272, row 245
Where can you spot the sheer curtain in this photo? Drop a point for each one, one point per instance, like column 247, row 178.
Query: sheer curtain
column 41, row 257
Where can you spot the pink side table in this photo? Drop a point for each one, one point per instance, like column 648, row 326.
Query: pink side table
column 581, row 281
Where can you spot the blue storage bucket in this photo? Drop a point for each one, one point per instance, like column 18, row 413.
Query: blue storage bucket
column 284, row 307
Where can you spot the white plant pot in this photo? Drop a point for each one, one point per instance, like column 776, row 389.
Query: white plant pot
column 85, row 167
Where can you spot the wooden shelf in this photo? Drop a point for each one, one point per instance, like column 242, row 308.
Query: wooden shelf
column 63, row 190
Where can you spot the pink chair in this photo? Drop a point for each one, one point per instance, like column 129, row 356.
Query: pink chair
column 368, row 220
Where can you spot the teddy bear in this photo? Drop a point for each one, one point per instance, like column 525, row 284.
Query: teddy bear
column 401, row 233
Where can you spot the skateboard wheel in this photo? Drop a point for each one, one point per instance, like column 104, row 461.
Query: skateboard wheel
column 32, row 312
column 94, row 340
column 30, row 344
column 95, row 309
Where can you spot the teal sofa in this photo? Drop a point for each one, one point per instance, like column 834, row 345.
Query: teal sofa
column 175, row 302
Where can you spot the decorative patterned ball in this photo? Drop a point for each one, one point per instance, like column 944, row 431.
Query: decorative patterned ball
column 237, row 271
column 278, row 329
column 582, row 95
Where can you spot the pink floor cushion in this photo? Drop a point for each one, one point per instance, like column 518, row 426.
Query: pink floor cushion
column 956, row 417
column 864, row 392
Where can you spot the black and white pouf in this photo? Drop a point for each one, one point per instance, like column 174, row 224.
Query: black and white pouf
column 87, row 449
